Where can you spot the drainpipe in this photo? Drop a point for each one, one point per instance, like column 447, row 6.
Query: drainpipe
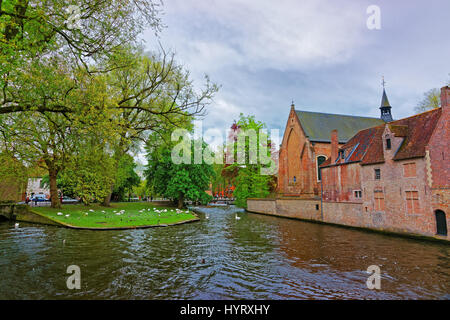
column 321, row 198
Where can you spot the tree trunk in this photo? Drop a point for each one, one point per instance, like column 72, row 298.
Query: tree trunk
column 54, row 188
column 180, row 201
column 107, row 200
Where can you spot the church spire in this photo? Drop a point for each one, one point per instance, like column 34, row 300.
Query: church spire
column 385, row 107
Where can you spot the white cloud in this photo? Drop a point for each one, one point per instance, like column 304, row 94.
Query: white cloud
column 269, row 34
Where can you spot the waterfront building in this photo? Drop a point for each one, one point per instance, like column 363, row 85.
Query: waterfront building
column 392, row 176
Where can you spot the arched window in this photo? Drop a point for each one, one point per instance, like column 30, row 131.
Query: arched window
column 441, row 223
column 320, row 160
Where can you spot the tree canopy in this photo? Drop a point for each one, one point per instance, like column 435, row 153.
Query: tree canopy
column 253, row 178
column 178, row 181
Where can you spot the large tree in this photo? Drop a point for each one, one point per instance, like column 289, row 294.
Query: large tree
column 253, row 165
column 51, row 139
column 154, row 95
column 108, row 85
column 179, row 181
column 83, row 31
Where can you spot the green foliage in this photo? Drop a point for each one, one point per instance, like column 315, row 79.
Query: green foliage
column 178, row 181
column 142, row 190
column 76, row 101
column 126, row 178
column 431, row 100
column 250, row 181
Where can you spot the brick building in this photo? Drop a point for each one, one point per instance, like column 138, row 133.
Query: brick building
column 393, row 176
column 397, row 174
column 306, row 144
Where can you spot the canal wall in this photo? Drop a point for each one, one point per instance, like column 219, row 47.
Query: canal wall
column 21, row 212
column 349, row 214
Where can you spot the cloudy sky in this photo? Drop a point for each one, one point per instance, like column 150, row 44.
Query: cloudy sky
column 319, row 53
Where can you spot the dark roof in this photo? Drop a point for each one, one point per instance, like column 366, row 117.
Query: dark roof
column 367, row 145
column 384, row 100
column 364, row 147
column 318, row 126
column 420, row 129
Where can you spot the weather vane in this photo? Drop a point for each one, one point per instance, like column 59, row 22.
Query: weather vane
column 383, row 82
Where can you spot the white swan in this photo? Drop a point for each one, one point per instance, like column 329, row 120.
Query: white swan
column 237, row 217
column 16, row 225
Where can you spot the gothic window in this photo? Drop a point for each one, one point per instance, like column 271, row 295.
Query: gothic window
column 320, row 160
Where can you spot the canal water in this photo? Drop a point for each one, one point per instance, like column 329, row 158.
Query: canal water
column 254, row 257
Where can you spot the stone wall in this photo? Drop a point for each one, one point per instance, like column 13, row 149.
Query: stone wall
column 308, row 209
column 350, row 214
column 21, row 212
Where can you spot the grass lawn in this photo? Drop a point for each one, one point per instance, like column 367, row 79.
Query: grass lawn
column 119, row 215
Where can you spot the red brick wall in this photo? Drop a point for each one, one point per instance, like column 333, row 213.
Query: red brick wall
column 298, row 157
column 438, row 159
column 341, row 182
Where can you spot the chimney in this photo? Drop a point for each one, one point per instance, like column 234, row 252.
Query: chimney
column 445, row 98
column 334, row 146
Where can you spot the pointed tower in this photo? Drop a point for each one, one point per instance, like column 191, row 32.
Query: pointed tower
column 385, row 107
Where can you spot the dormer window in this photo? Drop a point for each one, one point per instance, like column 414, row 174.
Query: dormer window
column 388, row 144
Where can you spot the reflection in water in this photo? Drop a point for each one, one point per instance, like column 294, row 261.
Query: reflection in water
column 256, row 257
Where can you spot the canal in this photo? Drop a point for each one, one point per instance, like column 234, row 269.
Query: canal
column 254, row 257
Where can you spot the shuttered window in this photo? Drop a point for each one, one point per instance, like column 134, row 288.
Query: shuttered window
column 409, row 170
column 412, row 202
column 379, row 200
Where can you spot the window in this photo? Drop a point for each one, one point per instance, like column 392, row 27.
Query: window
column 320, row 160
column 358, row 194
column 409, row 170
column 295, row 179
column 441, row 223
column 412, row 202
column 377, row 174
column 317, row 207
column 388, row 144
column 379, row 200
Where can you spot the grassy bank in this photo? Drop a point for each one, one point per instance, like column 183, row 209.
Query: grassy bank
column 119, row 215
